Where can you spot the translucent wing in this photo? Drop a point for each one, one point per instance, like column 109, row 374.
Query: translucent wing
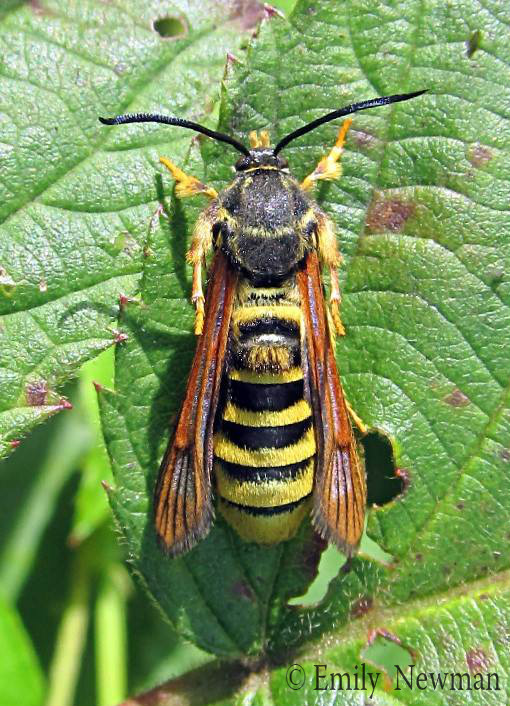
column 339, row 495
column 183, row 497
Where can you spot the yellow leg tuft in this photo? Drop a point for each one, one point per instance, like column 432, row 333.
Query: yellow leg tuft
column 329, row 167
column 187, row 185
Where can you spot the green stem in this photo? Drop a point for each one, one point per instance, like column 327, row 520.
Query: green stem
column 71, row 639
column 110, row 638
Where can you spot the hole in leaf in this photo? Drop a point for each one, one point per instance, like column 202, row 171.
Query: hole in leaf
column 170, row 27
column 371, row 550
column 332, row 561
column 330, row 564
column 383, row 483
column 387, row 654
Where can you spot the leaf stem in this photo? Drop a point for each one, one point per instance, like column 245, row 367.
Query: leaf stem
column 110, row 637
column 71, row 639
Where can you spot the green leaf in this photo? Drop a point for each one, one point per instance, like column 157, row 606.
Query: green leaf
column 91, row 504
column 425, row 358
column 456, row 636
column 36, row 475
column 421, row 212
column 73, row 229
column 422, row 216
column 21, row 679
column 462, row 631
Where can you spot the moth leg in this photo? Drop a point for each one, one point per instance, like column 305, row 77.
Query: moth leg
column 334, row 302
column 201, row 243
column 355, row 418
column 329, row 167
column 187, row 185
column 331, row 258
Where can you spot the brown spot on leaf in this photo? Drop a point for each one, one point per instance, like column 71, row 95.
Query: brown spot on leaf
column 505, row 455
column 247, row 13
column 479, row 155
column 362, row 138
column 36, row 393
column 389, row 215
column 477, row 661
column 457, row 398
column 460, row 506
column 418, row 556
column 241, row 589
column 362, row 606
column 37, row 7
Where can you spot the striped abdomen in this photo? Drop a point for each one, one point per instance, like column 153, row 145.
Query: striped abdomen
column 264, row 444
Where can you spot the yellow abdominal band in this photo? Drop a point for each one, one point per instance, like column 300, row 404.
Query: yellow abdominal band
column 264, row 446
column 267, row 528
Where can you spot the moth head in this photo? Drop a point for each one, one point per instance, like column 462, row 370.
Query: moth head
column 261, row 158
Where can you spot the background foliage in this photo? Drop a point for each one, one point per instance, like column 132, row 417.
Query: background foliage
column 422, row 213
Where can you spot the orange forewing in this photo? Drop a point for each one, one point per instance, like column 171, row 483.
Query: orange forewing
column 339, row 495
column 183, row 497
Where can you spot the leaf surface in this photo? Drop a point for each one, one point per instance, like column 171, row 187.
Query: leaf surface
column 422, row 219
column 425, row 359
column 21, row 679
column 73, row 211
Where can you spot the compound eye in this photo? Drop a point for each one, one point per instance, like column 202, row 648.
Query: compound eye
column 242, row 164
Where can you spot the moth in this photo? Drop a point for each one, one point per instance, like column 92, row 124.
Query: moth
column 264, row 426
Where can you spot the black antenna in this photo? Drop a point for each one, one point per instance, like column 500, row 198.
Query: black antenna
column 179, row 122
column 363, row 105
